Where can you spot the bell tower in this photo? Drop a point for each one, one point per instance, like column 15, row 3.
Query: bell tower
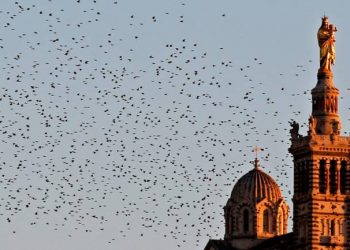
column 325, row 119
column 321, row 163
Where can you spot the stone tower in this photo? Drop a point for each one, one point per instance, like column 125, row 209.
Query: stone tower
column 321, row 163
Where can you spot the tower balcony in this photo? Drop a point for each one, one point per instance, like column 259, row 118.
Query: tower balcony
column 320, row 143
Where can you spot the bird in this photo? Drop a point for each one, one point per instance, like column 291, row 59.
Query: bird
column 116, row 128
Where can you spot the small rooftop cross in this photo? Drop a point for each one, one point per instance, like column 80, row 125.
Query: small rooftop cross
column 256, row 149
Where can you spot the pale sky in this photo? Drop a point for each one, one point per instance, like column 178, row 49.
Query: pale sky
column 125, row 124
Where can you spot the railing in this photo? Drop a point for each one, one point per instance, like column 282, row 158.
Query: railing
column 329, row 140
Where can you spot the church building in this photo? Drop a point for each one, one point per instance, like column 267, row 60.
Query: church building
column 256, row 214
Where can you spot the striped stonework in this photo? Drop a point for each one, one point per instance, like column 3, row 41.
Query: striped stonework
column 322, row 175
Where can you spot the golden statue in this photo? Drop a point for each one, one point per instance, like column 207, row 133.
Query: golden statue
column 326, row 41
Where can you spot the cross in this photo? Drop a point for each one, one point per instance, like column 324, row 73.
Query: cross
column 256, row 149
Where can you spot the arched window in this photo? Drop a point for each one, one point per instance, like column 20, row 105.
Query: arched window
column 322, row 180
column 327, row 104
column 304, row 177
column 332, row 228
column 343, row 177
column 305, row 183
column 280, row 223
column 266, row 220
column 333, row 177
column 245, row 220
column 332, row 104
column 297, row 179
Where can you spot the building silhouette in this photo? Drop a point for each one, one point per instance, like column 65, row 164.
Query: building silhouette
column 256, row 213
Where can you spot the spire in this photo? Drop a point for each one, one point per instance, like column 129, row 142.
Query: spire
column 325, row 119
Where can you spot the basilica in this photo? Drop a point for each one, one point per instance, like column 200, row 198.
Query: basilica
column 256, row 214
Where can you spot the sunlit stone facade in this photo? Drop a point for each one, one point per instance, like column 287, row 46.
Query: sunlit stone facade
column 256, row 214
column 256, row 209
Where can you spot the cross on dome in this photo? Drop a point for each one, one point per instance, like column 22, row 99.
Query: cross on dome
column 256, row 149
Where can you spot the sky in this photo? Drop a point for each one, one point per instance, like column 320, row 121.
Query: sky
column 125, row 124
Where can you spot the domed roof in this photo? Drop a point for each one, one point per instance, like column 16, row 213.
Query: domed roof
column 255, row 186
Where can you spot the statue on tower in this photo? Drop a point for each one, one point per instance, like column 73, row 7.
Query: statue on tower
column 326, row 41
column 294, row 131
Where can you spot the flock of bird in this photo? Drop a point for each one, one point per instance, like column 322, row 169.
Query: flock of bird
column 101, row 134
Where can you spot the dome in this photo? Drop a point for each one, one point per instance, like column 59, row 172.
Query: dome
column 256, row 208
column 255, row 186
